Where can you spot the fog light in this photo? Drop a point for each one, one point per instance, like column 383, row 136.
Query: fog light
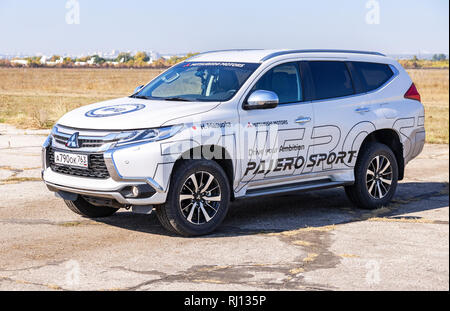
column 135, row 191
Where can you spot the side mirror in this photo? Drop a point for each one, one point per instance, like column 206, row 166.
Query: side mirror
column 261, row 99
column 138, row 89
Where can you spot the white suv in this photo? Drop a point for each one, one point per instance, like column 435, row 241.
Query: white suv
column 240, row 123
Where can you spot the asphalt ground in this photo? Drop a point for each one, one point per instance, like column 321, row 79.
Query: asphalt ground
column 309, row 241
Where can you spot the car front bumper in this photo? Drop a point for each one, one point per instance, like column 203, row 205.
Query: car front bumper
column 110, row 188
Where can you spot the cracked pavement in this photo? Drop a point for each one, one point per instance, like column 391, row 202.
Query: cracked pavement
column 309, row 241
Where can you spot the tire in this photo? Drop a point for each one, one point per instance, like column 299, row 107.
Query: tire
column 82, row 207
column 375, row 182
column 189, row 205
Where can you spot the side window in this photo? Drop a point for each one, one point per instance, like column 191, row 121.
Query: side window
column 373, row 75
column 284, row 80
column 331, row 79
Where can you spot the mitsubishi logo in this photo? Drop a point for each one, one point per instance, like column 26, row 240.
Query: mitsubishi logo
column 73, row 141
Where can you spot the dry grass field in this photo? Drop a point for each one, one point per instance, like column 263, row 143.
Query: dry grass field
column 37, row 97
column 432, row 85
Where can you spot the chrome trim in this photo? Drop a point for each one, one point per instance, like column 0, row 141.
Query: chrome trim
column 152, row 183
column 362, row 109
column 303, row 120
column 109, row 135
column 109, row 162
column 262, row 99
column 104, row 139
column 44, row 149
column 107, row 157
column 275, row 54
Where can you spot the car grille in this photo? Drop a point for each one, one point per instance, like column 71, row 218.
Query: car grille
column 97, row 167
column 83, row 143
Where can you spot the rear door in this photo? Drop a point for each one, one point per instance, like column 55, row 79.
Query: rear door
column 343, row 116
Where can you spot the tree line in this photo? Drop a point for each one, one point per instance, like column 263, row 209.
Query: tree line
column 123, row 60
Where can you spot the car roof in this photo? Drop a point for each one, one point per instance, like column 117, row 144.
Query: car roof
column 259, row 56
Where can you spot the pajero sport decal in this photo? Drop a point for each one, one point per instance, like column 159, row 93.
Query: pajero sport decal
column 283, row 164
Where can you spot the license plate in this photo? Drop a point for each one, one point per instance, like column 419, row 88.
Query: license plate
column 72, row 159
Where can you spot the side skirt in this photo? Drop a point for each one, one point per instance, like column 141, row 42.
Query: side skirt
column 295, row 187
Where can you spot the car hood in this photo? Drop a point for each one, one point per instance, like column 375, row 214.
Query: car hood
column 132, row 113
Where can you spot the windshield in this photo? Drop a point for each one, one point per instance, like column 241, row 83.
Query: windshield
column 200, row 81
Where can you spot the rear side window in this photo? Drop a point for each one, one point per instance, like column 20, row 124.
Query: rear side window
column 373, row 75
column 331, row 79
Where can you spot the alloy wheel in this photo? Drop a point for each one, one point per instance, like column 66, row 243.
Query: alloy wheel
column 379, row 177
column 200, row 198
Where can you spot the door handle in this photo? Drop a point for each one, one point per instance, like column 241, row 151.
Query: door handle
column 362, row 109
column 302, row 120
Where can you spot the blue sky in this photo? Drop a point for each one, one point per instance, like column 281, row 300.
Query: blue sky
column 406, row 26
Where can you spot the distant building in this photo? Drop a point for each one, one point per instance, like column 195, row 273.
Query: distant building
column 153, row 56
column 23, row 62
column 91, row 61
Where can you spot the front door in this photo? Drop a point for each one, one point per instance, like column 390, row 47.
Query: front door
column 275, row 142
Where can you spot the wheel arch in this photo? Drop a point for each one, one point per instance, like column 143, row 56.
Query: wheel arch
column 220, row 155
column 390, row 138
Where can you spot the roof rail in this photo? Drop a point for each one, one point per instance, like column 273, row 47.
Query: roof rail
column 227, row 50
column 317, row 51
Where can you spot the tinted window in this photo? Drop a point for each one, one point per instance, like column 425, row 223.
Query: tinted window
column 373, row 75
column 331, row 79
column 284, row 80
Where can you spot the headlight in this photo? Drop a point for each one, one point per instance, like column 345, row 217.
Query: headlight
column 149, row 135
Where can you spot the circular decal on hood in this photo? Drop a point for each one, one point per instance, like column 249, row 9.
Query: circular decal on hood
column 113, row 110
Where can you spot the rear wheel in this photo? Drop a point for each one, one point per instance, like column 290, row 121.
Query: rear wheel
column 198, row 198
column 376, row 177
column 82, row 207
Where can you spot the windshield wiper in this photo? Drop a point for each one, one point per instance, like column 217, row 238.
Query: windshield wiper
column 140, row 96
column 181, row 99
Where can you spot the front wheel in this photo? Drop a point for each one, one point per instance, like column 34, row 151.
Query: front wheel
column 198, row 198
column 376, row 177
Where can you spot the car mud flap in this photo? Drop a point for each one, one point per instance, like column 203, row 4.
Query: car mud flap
column 142, row 209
